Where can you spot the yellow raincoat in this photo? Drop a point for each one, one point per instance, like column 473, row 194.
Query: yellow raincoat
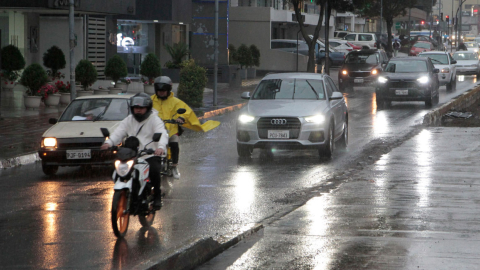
column 168, row 107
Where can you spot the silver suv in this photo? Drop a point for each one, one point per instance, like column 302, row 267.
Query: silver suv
column 447, row 66
column 366, row 40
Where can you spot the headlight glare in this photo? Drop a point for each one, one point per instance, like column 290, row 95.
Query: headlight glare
column 374, row 72
column 49, row 142
column 382, row 79
column 344, row 72
column 423, row 79
column 123, row 168
column 445, row 70
column 245, row 118
column 317, row 119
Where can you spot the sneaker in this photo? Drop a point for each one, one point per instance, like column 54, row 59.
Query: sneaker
column 176, row 173
column 157, row 204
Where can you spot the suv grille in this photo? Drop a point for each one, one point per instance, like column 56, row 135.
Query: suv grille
column 402, row 85
column 359, row 74
column 264, row 124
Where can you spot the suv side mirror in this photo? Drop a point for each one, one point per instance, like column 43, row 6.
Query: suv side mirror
column 336, row 95
column 436, row 70
column 245, row 95
column 52, row 121
column 454, row 61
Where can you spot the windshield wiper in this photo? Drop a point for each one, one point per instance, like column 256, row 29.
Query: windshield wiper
column 102, row 113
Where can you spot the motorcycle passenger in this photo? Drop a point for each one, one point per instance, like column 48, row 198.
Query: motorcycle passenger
column 167, row 105
column 142, row 123
column 462, row 47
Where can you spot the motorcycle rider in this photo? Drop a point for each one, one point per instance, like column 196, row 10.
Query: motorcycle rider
column 142, row 123
column 167, row 105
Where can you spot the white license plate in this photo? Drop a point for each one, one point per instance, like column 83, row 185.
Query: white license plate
column 358, row 80
column 401, row 92
column 79, row 154
column 278, row 134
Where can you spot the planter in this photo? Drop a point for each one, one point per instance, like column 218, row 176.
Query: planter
column 83, row 93
column 32, row 102
column 65, row 98
column 101, row 91
column 243, row 73
column 52, row 100
column 8, row 84
column 115, row 90
column 149, row 89
column 251, row 73
column 122, row 86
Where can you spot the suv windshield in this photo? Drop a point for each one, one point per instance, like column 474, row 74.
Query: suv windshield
column 359, row 58
column 290, row 89
column 437, row 58
column 465, row 56
column 399, row 66
column 108, row 109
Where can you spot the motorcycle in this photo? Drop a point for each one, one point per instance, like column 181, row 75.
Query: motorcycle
column 133, row 190
column 167, row 163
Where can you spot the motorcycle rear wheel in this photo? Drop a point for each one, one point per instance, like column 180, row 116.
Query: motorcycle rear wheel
column 119, row 216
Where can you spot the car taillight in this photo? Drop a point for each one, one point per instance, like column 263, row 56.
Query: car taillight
column 375, row 45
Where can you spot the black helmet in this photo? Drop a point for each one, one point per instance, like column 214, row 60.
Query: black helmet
column 144, row 101
column 163, row 83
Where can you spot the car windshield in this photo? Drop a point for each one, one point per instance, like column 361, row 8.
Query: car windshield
column 465, row 56
column 290, row 89
column 470, row 45
column 358, row 58
column 437, row 58
column 422, row 45
column 96, row 109
column 412, row 66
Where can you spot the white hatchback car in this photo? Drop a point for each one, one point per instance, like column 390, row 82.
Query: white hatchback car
column 75, row 138
column 467, row 63
column 447, row 66
column 293, row 111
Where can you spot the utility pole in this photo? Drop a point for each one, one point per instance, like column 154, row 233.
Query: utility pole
column 215, row 56
column 71, row 19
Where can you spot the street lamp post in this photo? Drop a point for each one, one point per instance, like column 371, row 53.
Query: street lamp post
column 297, row 46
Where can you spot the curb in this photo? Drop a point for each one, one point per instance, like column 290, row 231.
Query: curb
column 434, row 118
column 198, row 252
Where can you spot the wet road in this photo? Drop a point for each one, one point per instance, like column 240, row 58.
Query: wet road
column 63, row 222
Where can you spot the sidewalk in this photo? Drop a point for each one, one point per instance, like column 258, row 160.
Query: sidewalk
column 21, row 129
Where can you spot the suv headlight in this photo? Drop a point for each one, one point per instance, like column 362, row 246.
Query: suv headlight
column 317, row 119
column 374, row 72
column 243, row 118
column 382, row 79
column 423, row 79
column 49, row 142
column 445, row 70
column 123, row 168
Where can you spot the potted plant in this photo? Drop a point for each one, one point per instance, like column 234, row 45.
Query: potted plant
column 86, row 74
column 150, row 68
column 251, row 70
column 12, row 63
column 33, row 78
column 54, row 59
column 244, row 57
column 50, row 95
column 193, row 79
column 177, row 52
column 116, row 68
column 64, row 90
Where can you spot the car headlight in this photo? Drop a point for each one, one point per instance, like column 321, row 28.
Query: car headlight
column 374, row 72
column 243, row 118
column 382, row 79
column 317, row 119
column 49, row 142
column 445, row 70
column 423, row 79
column 123, row 168
column 344, row 72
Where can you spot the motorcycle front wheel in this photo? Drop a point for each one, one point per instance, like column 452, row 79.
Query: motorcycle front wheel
column 119, row 216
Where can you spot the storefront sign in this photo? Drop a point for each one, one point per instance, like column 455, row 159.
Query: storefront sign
column 62, row 3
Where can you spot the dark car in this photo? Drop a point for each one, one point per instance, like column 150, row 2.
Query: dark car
column 361, row 68
column 408, row 79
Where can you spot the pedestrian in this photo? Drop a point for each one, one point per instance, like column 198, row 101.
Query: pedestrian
column 396, row 47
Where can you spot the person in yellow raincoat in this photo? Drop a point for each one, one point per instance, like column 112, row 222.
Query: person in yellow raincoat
column 167, row 105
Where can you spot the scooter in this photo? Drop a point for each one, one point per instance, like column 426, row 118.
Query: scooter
column 134, row 192
column 167, row 163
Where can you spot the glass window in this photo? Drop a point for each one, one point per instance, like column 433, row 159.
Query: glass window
column 350, row 37
column 332, row 84
column 437, row 58
column 358, row 58
column 422, row 45
column 365, row 38
column 465, row 56
column 329, row 88
column 289, row 89
column 96, row 110
column 399, row 66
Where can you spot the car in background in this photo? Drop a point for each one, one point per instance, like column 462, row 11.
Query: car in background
column 366, row 40
column 471, row 46
column 75, row 138
column 290, row 45
column 447, row 66
column 361, row 68
column 293, row 111
column 419, row 47
column 467, row 63
column 341, row 34
column 408, row 79
column 340, row 45
column 436, row 45
column 469, row 37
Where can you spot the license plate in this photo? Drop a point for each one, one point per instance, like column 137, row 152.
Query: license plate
column 79, row 154
column 278, row 134
column 358, row 80
column 401, row 92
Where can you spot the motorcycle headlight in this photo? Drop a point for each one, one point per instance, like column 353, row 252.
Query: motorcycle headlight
column 123, row 168
column 382, row 79
column 245, row 118
column 49, row 142
column 317, row 119
column 423, row 79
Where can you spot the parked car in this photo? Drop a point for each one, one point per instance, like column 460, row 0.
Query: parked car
column 419, row 47
column 467, row 63
column 447, row 66
column 361, row 68
column 408, row 79
column 289, row 45
column 366, row 40
column 293, row 111
column 340, row 45
column 75, row 138
column 341, row 34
